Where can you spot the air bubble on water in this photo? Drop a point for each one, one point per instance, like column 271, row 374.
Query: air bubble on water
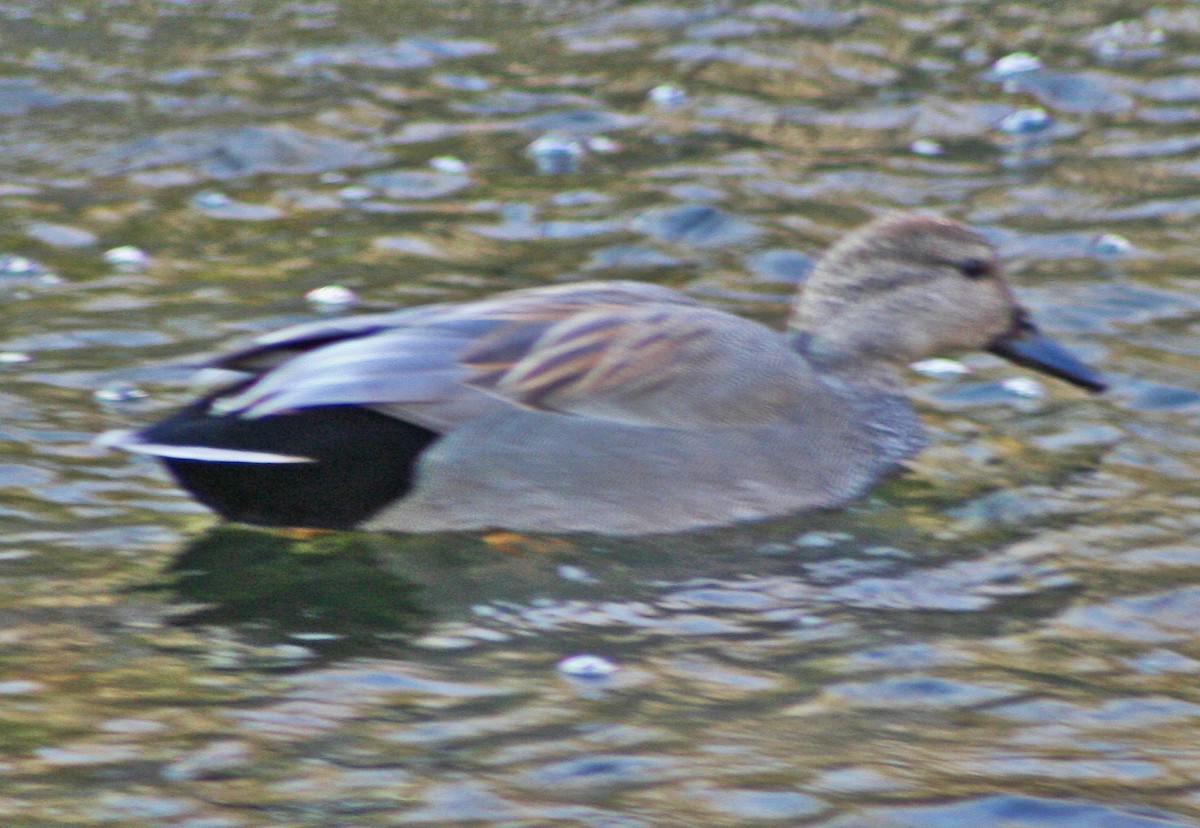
column 331, row 298
column 576, row 573
column 209, row 199
column 1027, row 121
column 603, row 144
column 927, row 147
column 1025, row 387
column 120, row 392
column 1111, row 244
column 556, row 154
column 15, row 268
column 587, row 666
column 1016, row 63
column 667, row 95
column 449, row 164
column 355, row 192
column 127, row 258
column 940, row 368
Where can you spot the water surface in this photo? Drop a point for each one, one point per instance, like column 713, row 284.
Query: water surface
column 1007, row 635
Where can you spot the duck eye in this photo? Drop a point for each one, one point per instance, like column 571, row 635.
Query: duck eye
column 975, row 268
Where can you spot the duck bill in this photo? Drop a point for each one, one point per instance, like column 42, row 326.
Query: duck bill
column 1025, row 345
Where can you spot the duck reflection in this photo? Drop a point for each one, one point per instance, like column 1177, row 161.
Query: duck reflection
column 346, row 593
column 328, row 591
column 341, row 593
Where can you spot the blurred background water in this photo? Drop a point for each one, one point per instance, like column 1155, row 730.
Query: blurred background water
column 1005, row 636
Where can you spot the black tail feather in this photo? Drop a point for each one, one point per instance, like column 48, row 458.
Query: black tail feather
column 363, row 461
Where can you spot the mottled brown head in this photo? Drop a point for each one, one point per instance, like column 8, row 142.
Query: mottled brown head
column 905, row 287
column 912, row 285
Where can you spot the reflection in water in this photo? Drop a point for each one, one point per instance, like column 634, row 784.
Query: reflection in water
column 367, row 594
column 328, row 591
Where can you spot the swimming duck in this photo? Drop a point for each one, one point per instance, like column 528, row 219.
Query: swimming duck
column 610, row 407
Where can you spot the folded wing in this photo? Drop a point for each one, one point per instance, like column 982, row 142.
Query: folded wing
column 622, row 351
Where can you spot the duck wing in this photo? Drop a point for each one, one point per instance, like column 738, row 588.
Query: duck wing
column 621, row 351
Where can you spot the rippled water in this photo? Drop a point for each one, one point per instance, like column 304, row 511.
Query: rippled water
column 1006, row 636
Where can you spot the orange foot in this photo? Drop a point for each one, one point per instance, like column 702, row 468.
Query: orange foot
column 304, row 533
column 515, row 543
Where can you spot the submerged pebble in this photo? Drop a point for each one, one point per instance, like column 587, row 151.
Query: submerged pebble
column 1027, row 811
column 466, row 83
column 781, row 264
column 215, row 760
column 1072, row 91
column 218, row 205
column 919, row 690
column 406, row 53
column 416, row 184
column 698, row 225
column 579, row 198
column 412, row 245
column 234, row 152
column 598, row 775
column 1127, row 40
column 60, row 235
column 752, row 805
column 629, row 257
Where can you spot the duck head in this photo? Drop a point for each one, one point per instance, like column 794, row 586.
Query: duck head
column 909, row 286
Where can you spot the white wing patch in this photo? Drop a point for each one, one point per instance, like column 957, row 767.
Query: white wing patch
column 127, row 440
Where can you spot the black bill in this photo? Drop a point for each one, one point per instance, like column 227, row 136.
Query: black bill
column 1025, row 346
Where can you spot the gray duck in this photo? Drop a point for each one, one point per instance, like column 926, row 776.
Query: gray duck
column 611, row 407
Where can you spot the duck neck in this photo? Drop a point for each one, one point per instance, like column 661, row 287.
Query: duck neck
column 833, row 360
column 874, row 387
